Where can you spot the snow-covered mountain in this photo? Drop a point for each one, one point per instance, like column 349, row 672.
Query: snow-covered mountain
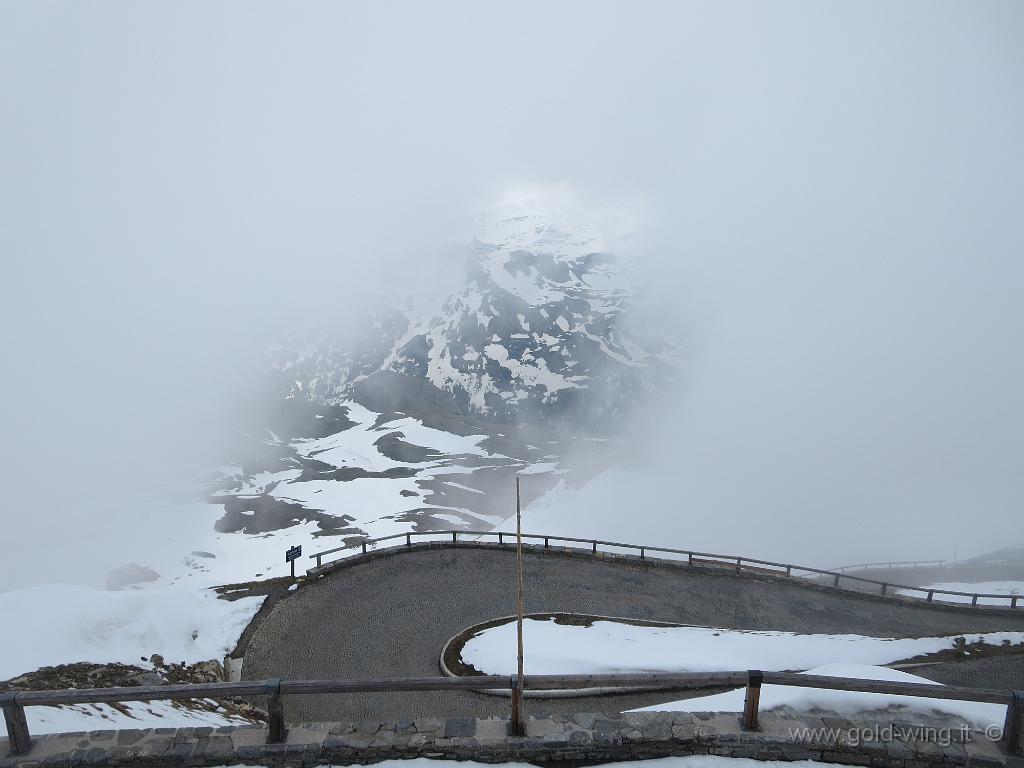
column 536, row 334
column 529, row 368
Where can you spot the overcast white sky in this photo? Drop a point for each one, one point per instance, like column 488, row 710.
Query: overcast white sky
column 834, row 196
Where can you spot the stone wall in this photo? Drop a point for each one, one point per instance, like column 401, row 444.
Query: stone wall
column 582, row 737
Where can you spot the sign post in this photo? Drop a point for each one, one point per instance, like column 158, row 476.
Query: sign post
column 293, row 554
column 518, row 710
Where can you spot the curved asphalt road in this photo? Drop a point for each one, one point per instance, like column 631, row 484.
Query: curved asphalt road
column 389, row 616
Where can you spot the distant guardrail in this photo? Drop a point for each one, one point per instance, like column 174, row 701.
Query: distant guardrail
column 892, row 565
column 20, row 739
column 735, row 563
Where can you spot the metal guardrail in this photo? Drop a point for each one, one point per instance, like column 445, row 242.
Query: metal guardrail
column 14, row 703
column 733, row 562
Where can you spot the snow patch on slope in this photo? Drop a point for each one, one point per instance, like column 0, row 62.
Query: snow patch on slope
column 63, row 623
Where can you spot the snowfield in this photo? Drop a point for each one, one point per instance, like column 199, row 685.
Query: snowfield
column 848, row 703
column 136, row 714
column 690, row 761
column 611, row 646
column 61, row 623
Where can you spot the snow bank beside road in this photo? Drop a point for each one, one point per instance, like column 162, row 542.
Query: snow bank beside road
column 610, row 646
column 61, row 623
column 848, row 703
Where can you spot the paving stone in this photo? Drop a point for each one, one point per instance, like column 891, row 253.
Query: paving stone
column 580, row 738
column 492, row 728
column 586, row 719
column 130, row 737
column 428, row 724
column 454, row 727
column 156, row 745
column 369, row 726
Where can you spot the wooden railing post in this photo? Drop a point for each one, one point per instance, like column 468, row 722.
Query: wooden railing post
column 17, row 725
column 518, row 715
column 753, row 698
column 277, row 732
column 1012, row 726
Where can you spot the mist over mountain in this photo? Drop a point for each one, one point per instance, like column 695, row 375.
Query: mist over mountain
column 427, row 413
column 776, row 253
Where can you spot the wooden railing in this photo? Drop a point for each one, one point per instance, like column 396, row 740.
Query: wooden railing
column 891, row 565
column 14, row 703
column 732, row 562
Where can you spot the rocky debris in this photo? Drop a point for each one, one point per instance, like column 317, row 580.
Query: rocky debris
column 85, row 674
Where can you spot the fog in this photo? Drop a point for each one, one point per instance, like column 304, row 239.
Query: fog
column 832, row 205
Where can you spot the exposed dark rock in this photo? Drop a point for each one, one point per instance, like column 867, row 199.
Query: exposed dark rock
column 261, row 514
column 395, row 448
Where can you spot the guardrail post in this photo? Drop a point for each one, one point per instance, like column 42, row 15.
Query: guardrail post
column 518, row 715
column 501, row 537
column 408, row 539
column 884, row 586
column 17, row 726
column 738, row 562
column 1011, row 741
column 364, row 547
column 974, row 601
column 276, row 730
column 545, row 542
column 455, row 536
column 931, row 594
column 318, row 563
column 641, row 553
column 835, row 581
column 789, row 570
column 750, row 704
column 595, row 547
column 689, row 558
column 1013, row 601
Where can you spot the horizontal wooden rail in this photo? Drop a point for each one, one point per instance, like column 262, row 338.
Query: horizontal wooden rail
column 733, row 562
column 14, row 703
column 892, row 564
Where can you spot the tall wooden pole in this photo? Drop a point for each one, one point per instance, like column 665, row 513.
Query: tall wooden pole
column 518, row 711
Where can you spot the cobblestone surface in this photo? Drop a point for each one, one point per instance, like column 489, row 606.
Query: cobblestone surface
column 388, row 616
column 582, row 737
